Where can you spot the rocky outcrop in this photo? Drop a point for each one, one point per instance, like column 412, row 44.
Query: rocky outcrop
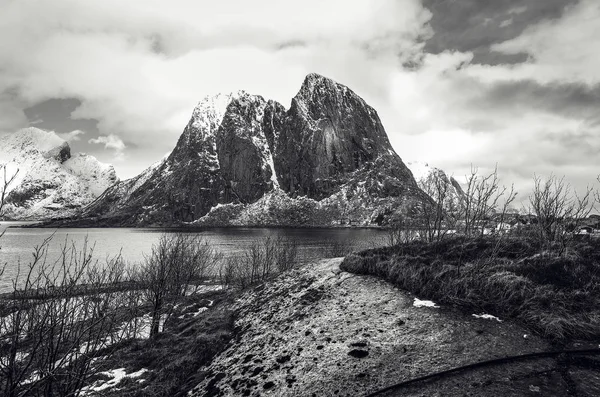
column 50, row 181
column 244, row 160
column 330, row 133
column 245, row 143
column 321, row 331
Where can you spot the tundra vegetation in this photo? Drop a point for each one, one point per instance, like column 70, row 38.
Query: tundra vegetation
column 541, row 272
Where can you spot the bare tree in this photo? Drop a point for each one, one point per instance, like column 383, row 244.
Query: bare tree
column 558, row 208
column 439, row 215
column 175, row 263
column 483, row 198
column 58, row 317
column 7, row 180
column 403, row 230
column 260, row 261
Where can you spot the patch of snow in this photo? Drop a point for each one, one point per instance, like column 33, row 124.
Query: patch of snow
column 200, row 311
column 263, row 147
column 117, row 376
column 200, row 289
column 487, row 317
column 424, row 303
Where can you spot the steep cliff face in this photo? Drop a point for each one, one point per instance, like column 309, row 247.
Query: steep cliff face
column 50, row 182
column 224, row 155
column 244, row 160
column 245, row 143
column 329, row 133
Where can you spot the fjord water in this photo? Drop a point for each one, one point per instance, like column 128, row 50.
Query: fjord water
column 17, row 244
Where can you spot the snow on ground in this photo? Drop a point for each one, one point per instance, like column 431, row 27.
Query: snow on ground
column 423, row 303
column 200, row 289
column 139, row 327
column 261, row 144
column 116, row 375
column 200, row 311
column 487, row 317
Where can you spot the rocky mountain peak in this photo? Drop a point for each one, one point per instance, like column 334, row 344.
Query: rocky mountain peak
column 32, row 140
column 61, row 153
column 243, row 159
column 433, row 181
column 329, row 132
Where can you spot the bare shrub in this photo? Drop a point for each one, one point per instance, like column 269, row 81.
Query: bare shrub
column 57, row 318
column 558, row 208
column 484, row 198
column 174, row 264
column 439, row 215
column 261, row 260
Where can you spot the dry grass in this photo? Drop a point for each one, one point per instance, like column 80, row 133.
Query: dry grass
column 558, row 296
column 175, row 357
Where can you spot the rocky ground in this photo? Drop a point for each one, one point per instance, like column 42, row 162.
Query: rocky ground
column 323, row 332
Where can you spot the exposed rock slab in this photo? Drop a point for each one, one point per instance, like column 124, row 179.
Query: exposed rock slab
column 324, row 332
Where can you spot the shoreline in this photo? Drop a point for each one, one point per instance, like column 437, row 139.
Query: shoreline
column 183, row 227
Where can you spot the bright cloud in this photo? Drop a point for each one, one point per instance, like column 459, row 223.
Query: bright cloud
column 110, row 142
column 138, row 67
column 72, row 136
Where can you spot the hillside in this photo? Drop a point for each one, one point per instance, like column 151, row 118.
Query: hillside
column 320, row 331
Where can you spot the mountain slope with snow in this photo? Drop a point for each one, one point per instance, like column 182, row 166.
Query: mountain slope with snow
column 50, row 181
column 244, row 160
column 435, row 182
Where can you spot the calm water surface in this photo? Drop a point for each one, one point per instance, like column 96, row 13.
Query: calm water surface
column 17, row 244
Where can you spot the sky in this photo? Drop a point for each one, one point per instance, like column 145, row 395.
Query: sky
column 456, row 83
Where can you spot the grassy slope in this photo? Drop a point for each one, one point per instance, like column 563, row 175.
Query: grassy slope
column 175, row 357
column 557, row 296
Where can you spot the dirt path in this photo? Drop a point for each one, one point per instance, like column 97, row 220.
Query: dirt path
column 320, row 331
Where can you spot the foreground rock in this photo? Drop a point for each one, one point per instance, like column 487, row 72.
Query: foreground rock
column 323, row 332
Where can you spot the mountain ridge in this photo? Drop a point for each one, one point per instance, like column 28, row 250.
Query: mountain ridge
column 51, row 181
column 243, row 160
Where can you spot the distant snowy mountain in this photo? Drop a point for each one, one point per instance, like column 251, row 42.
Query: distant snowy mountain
column 431, row 179
column 51, row 182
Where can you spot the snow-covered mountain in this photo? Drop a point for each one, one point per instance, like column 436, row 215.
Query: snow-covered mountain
column 435, row 182
column 245, row 160
column 51, row 182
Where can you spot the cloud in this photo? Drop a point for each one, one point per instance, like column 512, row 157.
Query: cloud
column 475, row 26
column 451, row 84
column 72, row 136
column 559, row 49
column 139, row 67
column 110, row 142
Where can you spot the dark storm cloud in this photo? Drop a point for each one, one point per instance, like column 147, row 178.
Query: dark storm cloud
column 55, row 114
column 474, row 25
column 571, row 100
